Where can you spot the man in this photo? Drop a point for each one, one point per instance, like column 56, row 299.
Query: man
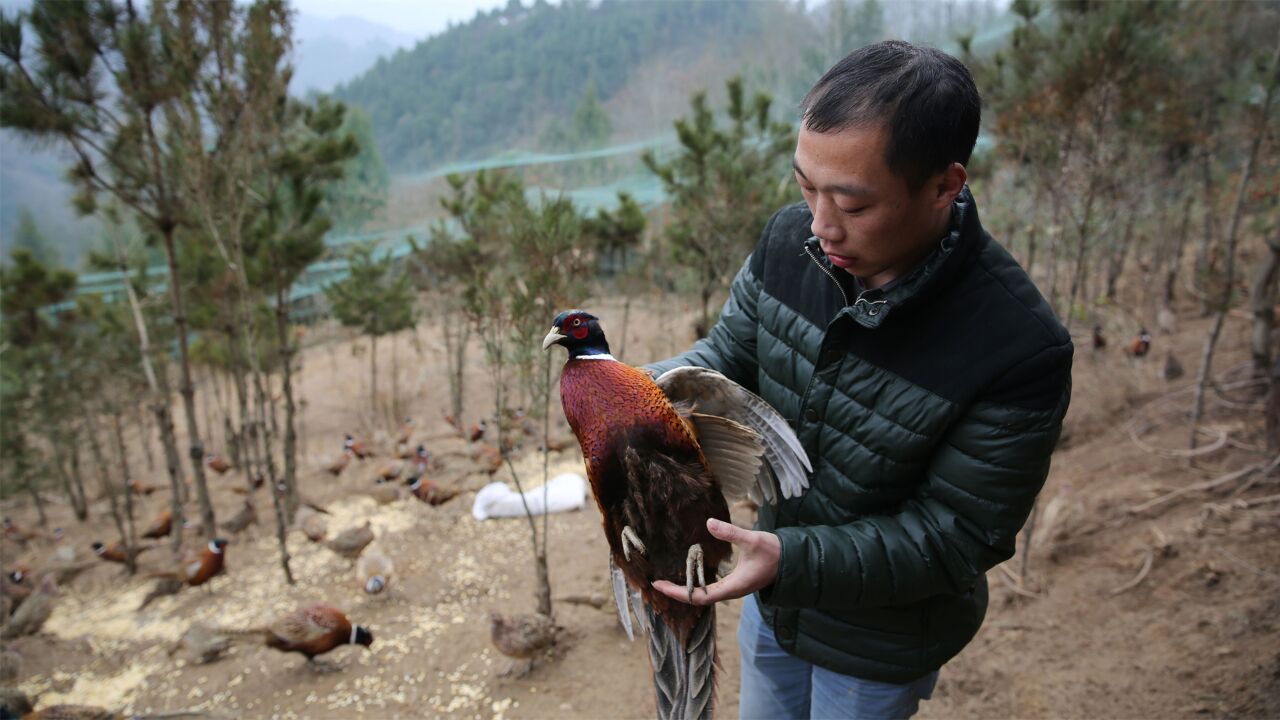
column 925, row 375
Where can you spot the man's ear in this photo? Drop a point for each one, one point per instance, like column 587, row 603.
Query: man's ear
column 946, row 185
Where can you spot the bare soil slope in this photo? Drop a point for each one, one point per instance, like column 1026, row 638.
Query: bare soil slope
column 1083, row 636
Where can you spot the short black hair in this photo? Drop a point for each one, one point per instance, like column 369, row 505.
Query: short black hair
column 924, row 97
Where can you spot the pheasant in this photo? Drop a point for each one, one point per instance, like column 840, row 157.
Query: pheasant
column 391, row 471
column 312, row 523
column 421, row 461
column 21, row 536
column 406, row 432
column 385, row 493
column 659, row 468
column 374, row 572
column 522, row 636
column 430, row 493
column 202, row 643
column 351, row 542
column 478, row 430
column 311, row 631
column 161, row 526
column 35, row 610
column 357, row 447
column 248, row 515
column 195, row 568
column 340, row 463
column 217, row 464
column 1141, row 343
column 117, row 553
column 137, row 487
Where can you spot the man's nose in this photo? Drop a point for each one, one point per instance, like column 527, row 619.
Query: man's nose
column 826, row 223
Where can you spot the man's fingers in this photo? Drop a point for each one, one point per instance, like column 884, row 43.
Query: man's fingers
column 726, row 531
column 708, row 595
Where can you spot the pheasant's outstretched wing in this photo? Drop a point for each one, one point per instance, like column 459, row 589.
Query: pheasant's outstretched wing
column 726, row 418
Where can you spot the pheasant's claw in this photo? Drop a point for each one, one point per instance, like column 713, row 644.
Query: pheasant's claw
column 630, row 540
column 693, row 563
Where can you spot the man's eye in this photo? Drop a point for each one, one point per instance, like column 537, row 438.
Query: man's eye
column 853, row 211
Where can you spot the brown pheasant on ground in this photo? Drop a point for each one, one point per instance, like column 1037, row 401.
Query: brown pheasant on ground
column 195, row 568
column 311, row 631
column 35, row 610
column 312, row 524
column 117, row 553
column 351, row 542
column 374, row 571
column 217, row 464
column 203, row 644
column 430, row 493
column 161, row 526
column 522, row 637
column 248, row 515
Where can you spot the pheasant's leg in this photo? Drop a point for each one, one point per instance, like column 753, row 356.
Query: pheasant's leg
column 630, row 540
column 693, row 563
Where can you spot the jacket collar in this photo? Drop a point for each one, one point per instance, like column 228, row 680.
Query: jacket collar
column 871, row 308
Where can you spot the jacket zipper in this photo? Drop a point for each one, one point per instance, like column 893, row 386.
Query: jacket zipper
column 809, row 251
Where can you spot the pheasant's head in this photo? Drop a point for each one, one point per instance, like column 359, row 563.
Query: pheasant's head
column 579, row 332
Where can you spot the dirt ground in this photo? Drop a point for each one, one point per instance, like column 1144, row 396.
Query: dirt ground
column 1082, row 636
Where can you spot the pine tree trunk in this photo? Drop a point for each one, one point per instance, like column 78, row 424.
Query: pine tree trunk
column 196, row 451
column 35, row 498
column 1233, row 228
column 373, row 372
column 144, row 438
column 277, row 502
column 125, row 476
column 56, row 436
column 1116, row 266
column 173, row 461
column 290, row 410
column 77, row 477
column 108, row 488
column 395, row 382
column 1262, row 298
column 158, row 382
column 1175, row 263
column 1203, row 266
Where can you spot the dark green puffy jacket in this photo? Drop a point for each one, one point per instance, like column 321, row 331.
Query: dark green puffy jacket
column 929, row 412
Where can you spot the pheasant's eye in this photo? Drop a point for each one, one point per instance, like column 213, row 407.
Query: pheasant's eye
column 577, row 322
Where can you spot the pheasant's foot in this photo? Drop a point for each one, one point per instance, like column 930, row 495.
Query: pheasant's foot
column 323, row 668
column 692, row 564
column 630, row 540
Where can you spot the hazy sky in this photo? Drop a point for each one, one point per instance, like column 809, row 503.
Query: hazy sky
column 412, row 17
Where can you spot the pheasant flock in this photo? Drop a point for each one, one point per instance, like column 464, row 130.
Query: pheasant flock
column 313, row 628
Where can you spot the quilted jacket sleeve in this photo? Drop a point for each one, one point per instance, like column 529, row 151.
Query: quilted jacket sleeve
column 730, row 347
column 979, row 489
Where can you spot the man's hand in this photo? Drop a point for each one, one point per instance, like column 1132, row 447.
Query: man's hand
column 757, row 566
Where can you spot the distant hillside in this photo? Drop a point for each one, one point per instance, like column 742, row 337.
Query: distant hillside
column 331, row 51
column 496, row 82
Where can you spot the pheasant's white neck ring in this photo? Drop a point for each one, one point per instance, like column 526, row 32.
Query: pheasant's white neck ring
column 600, row 356
column 354, row 629
column 213, row 548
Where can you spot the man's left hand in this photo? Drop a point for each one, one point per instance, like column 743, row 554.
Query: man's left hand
column 758, row 554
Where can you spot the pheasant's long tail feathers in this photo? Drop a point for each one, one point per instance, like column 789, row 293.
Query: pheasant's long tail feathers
column 169, row 584
column 259, row 633
column 683, row 673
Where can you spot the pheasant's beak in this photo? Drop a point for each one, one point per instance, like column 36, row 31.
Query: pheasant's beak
column 552, row 338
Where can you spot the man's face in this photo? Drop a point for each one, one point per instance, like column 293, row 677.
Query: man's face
column 869, row 222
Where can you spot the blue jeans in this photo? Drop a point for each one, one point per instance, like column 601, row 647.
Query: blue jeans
column 776, row 684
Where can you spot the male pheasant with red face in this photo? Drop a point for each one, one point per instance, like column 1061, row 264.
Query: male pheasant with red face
column 663, row 457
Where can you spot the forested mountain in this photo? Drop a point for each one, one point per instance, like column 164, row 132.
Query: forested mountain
column 329, row 51
column 499, row 81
